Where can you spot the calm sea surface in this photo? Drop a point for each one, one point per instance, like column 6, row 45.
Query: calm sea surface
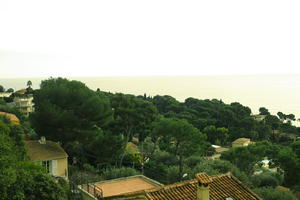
column 275, row 92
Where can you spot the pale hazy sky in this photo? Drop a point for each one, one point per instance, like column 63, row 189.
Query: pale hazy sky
column 153, row 37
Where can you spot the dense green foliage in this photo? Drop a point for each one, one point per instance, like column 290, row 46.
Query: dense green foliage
column 69, row 112
column 268, row 193
column 171, row 137
column 179, row 138
column 20, row 179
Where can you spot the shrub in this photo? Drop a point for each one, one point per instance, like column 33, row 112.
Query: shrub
column 268, row 193
column 112, row 173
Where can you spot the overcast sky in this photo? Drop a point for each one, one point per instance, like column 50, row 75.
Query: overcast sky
column 153, row 37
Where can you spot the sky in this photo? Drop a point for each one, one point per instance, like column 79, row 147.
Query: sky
column 148, row 38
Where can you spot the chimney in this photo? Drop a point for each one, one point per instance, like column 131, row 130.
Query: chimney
column 42, row 140
column 203, row 181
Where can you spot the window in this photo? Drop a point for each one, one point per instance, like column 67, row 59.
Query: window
column 47, row 165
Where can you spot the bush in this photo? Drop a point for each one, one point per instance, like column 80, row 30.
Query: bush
column 268, row 193
column 172, row 174
column 267, row 179
column 79, row 177
column 192, row 161
column 112, row 173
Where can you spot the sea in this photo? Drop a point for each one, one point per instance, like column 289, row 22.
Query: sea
column 274, row 92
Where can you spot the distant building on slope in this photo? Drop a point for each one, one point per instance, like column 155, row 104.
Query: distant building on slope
column 49, row 154
column 218, row 150
column 259, row 118
column 241, row 142
column 23, row 103
column 5, row 94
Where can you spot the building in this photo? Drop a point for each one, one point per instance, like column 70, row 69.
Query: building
column 49, row 154
column 203, row 187
column 259, row 118
column 241, row 142
column 5, row 94
column 115, row 187
column 24, row 104
column 216, row 153
column 12, row 118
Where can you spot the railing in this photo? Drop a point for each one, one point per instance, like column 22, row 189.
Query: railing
column 93, row 190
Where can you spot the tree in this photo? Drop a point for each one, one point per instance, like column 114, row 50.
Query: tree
column 8, row 162
column 113, row 173
column 34, row 183
column 166, row 104
column 267, row 179
column 2, row 88
column 10, row 90
column 180, row 138
column 69, row 112
column 246, row 157
column 263, row 111
column 132, row 117
column 281, row 116
column 29, row 83
column 289, row 162
column 291, row 117
column 242, row 158
column 272, row 121
column 269, row 193
column 215, row 135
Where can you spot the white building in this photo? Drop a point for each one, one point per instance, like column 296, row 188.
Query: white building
column 24, row 104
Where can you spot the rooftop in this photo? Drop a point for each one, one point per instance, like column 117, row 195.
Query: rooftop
column 241, row 140
column 48, row 151
column 12, row 117
column 22, row 91
column 125, row 185
column 221, row 149
column 221, row 187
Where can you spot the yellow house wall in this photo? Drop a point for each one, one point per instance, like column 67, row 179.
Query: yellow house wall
column 62, row 167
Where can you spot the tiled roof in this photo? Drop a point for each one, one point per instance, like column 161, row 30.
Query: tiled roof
column 12, row 117
column 241, row 140
column 22, row 91
column 203, row 178
column 221, row 187
column 39, row 152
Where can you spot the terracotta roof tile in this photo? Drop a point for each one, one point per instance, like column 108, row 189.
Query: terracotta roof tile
column 203, row 178
column 222, row 186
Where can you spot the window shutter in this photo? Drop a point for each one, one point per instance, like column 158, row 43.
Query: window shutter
column 54, row 167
